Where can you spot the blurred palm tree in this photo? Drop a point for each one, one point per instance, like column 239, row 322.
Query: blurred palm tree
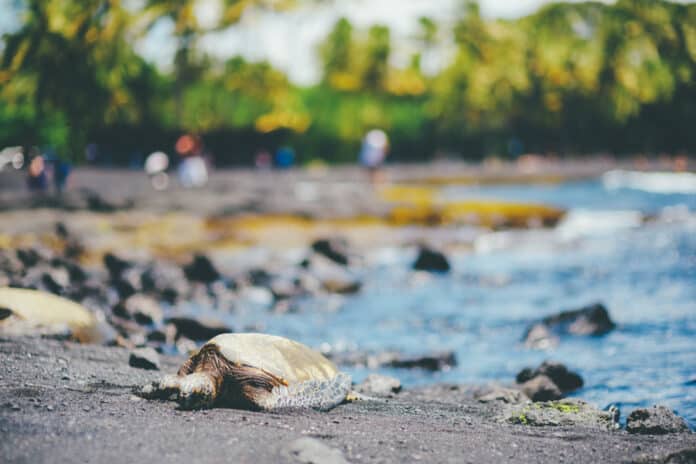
column 53, row 62
column 190, row 26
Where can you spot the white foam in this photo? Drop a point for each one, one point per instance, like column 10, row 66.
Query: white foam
column 515, row 239
column 588, row 223
column 653, row 182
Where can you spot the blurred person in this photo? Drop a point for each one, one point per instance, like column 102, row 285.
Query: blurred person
column 284, row 157
column 91, row 153
column 374, row 150
column 36, row 173
column 263, row 159
column 61, row 173
column 192, row 170
column 156, row 165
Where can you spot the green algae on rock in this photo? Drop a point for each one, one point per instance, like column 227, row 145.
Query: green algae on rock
column 567, row 412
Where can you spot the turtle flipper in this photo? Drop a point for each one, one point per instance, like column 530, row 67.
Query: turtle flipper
column 164, row 389
column 193, row 391
column 318, row 394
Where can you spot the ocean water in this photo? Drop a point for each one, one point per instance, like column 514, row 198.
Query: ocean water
column 633, row 250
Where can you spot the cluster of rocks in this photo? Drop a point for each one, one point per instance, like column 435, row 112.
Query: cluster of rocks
column 145, row 301
column 148, row 301
column 539, row 399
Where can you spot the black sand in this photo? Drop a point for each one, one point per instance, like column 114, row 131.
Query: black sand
column 61, row 402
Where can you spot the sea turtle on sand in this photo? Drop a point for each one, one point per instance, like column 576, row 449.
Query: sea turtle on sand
column 32, row 312
column 254, row 371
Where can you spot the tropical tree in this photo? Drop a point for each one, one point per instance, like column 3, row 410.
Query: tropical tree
column 70, row 63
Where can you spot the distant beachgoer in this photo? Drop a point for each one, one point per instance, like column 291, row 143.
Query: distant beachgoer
column 284, row 157
column 61, row 172
column 37, row 180
column 374, row 150
column 91, row 153
column 193, row 171
column 156, row 165
column 263, row 159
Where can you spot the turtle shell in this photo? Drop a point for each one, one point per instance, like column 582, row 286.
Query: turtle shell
column 306, row 377
column 284, row 358
column 24, row 311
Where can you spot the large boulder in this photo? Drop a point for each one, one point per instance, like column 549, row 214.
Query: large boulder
column 589, row 320
column 431, row 260
column 657, row 420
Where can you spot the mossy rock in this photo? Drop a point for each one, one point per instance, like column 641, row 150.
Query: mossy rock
column 563, row 413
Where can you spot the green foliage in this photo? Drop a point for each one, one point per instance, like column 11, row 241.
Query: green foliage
column 572, row 77
column 376, row 67
column 337, row 54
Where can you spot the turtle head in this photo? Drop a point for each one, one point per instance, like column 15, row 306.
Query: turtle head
column 197, row 391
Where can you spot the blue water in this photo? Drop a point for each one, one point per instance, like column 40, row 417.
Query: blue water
column 644, row 273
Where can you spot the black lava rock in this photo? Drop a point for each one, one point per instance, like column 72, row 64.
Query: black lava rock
column 144, row 358
column 591, row 320
column 61, row 230
column 431, row 260
column 115, row 265
column 201, row 269
column 76, row 273
column 198, row 330
column 558, row 373
column 433, row 362
column 541, row 388
column 28, row 257
column 657, row 420
column 259, row 277
column 335, row 249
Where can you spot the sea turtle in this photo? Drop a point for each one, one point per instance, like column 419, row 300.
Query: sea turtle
column 254, row 371
column 30, row 312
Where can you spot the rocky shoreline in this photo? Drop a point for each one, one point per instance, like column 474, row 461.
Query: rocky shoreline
column 145, row 273
column 62, row 402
